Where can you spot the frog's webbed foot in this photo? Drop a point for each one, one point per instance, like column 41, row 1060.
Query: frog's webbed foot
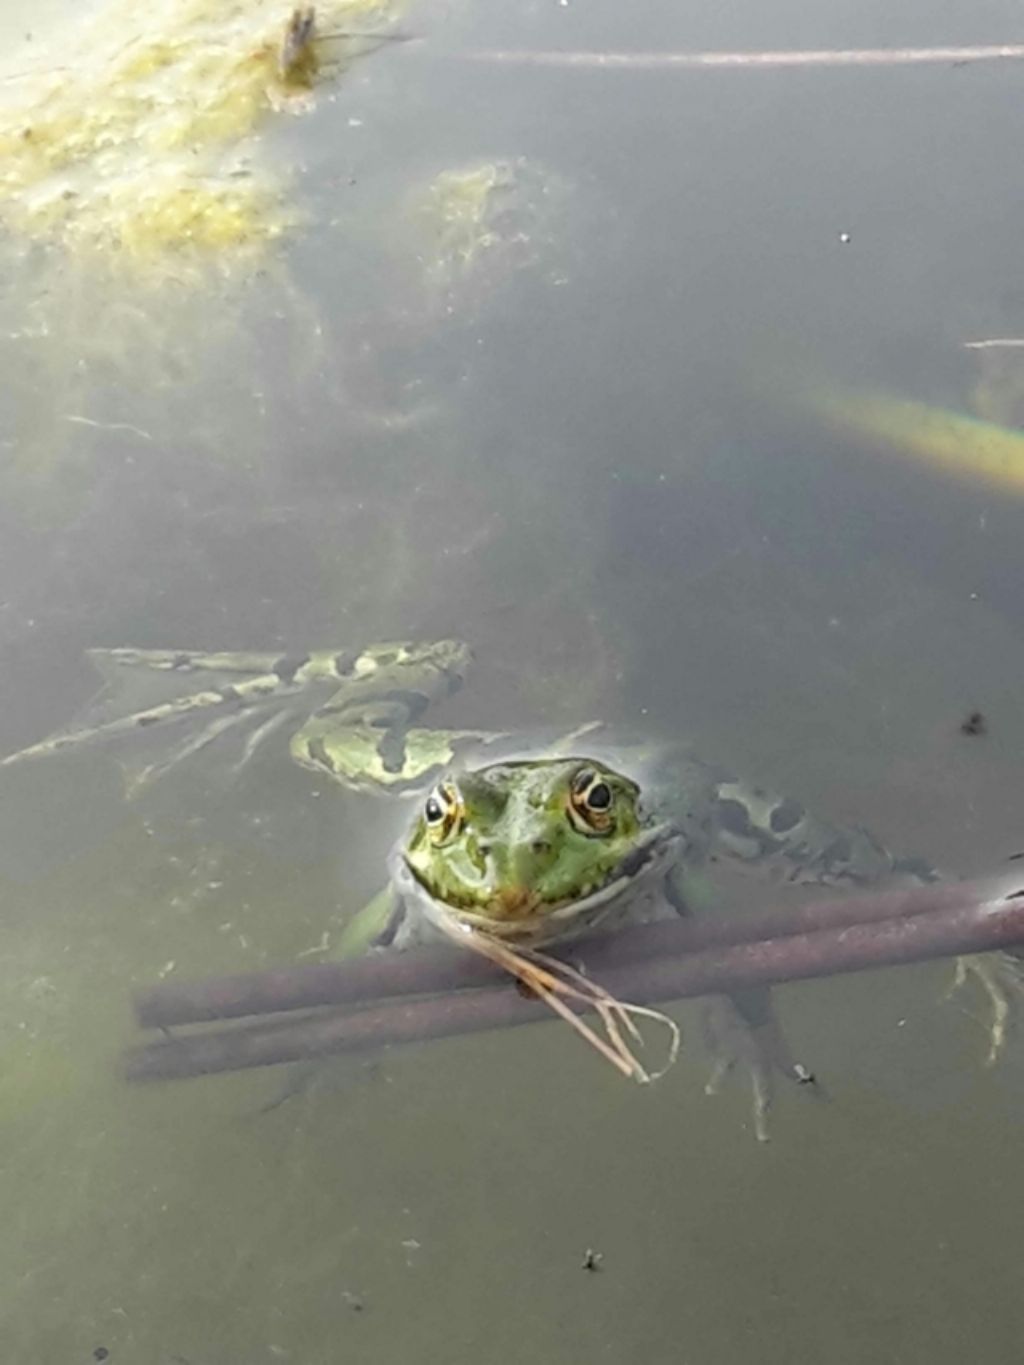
column 743, row 1029
column 1001, row 978
column 301, row 1079
column 310, row 1081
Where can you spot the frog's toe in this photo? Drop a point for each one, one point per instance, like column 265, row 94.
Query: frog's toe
column 761, row 1082
column 1001, row 978
column 310, row 1081
column 734, row 1032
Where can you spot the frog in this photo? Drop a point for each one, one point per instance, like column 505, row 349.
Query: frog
column 534, row 839
column 539, row 851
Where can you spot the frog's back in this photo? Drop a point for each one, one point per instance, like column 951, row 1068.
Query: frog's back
column 721, row 815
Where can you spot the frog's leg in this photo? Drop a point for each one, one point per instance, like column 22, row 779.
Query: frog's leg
column 762, row 828
column 739, row 1028
column 250, row 693
column 242, row 682
column 136, row 779
column 777, row 836
column 1001, row 978
column 262, row 732
column 744, row 1028
column 258, row 681
column 373, row 926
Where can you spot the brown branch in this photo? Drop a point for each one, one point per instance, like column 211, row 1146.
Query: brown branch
column 432, row 970
column 994, row 919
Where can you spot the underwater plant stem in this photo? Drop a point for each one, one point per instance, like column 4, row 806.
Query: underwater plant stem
column 991, row 921
column 429, row 970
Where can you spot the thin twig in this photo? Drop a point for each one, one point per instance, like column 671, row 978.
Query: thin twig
column 651, row 61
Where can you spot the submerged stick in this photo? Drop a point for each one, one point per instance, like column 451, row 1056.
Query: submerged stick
column 980, row 927
column 430, row 970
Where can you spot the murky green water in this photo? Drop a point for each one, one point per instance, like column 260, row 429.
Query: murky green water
column 552, row 450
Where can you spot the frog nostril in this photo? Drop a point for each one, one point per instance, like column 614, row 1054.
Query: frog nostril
column 541, row 846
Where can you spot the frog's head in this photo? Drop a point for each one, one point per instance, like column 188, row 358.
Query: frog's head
column 531, row 851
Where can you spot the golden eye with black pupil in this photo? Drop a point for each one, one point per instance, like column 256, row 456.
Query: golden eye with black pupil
column 442, row 812
column 590, row 803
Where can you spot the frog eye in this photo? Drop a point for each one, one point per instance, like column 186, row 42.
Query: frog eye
column 443, row 812
column 590, row 803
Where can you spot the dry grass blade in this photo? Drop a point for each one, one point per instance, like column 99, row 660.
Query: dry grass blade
column 557, row 984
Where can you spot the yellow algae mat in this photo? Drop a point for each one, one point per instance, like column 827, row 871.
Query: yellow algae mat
column 137, row 131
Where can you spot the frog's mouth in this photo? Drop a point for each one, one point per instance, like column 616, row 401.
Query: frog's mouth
column 521, row 914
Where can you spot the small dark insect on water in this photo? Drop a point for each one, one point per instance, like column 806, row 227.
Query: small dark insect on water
column 296, row 59
column 592, row 1259
column 974, row 724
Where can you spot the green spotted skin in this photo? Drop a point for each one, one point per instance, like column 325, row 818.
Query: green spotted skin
column 355, row 707
column 507, row 849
